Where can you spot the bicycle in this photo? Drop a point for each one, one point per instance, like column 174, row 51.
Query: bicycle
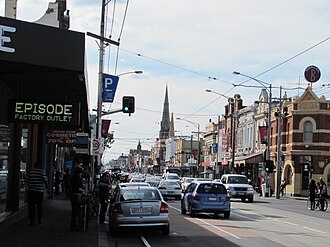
column 83, row 217
column 318, row 203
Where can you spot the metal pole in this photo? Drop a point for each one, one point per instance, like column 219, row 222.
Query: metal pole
column 234, row 137
column 99, row 95
column 279, row 133
column 198, row 149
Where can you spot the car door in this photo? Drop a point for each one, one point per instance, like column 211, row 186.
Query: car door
column 188, row 195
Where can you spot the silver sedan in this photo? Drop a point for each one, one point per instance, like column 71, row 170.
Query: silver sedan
column 170, row 188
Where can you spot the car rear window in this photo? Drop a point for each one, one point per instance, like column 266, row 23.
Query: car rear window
column 211, row 189
column 140, row 195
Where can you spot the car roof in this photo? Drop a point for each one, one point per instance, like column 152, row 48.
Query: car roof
column 138, row 188
column 206, row 182
column 234, row 175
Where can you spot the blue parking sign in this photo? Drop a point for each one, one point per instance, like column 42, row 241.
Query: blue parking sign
column 109, row 86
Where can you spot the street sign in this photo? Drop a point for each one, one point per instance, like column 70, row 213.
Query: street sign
column 312, row 74
column 109, row 86
column 98, row 146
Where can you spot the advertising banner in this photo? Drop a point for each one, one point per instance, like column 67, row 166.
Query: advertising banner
column 105, row 128
column 21, row 111
column 263, row 134
column 109, row 86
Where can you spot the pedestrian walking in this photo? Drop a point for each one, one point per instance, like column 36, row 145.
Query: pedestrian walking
column 67, row 183
column 283, row 185
column 57, row 183
column 36, row 180
column 312, row 189
column 104, row 191
column 77, row 190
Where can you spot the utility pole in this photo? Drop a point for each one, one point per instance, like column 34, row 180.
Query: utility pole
column 279, row 133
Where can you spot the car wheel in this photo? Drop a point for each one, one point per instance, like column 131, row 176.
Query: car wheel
column 250, row 199
column 216, row 215
column 166, row 230
column 192, row 213
column 226, row 215
column 243, row 199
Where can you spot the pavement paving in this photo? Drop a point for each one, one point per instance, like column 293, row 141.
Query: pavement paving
column 55, row 230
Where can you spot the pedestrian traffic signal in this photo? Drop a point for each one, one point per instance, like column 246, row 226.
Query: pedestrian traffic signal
column 269, row 167
column 128, row 105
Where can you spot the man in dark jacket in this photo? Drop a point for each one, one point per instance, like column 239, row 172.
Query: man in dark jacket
column 104, row 190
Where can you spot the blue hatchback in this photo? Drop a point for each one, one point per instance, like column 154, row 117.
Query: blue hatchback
column 205, row 196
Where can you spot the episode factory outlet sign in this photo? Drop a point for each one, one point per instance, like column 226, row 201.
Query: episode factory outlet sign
column 42, row 112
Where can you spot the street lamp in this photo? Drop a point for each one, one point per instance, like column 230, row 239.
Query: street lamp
column 233, row 143
column 131, row 72
column 198, row 140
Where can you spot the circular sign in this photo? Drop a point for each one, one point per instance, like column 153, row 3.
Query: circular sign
column 96, row 145
column 312, row 74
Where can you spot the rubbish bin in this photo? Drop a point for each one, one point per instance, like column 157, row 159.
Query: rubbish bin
column 265, row 190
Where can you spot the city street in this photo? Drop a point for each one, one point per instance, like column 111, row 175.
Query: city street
column 266, row 222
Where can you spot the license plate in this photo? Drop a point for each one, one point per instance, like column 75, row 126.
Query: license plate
column 240, row 193
column 170, row 192
column 213, row 199
column 141, row 210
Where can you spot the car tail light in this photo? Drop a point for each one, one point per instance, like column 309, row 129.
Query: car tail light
column 195, row 197
column 117, row 209
column 227, row 198
column 163, row 208
column 162, row 188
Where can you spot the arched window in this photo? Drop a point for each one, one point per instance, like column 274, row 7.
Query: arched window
column 308, row 131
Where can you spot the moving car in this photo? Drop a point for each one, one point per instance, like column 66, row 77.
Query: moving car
column 238, row 186
column 169, row 188
column 135, row 207
column 207, row 197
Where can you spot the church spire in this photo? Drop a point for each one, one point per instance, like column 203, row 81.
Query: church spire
column 165, row 123
column 171, row 131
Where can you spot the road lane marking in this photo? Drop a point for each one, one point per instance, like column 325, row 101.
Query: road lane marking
column 312, row 229
column 144, row 240
column 218, row 228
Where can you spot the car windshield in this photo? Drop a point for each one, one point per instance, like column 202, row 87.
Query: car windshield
column 237, row 180
column 211, row 189
column 173, row 177
column 140, row 195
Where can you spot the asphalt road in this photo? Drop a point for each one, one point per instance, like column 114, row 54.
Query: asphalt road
column 266, row 222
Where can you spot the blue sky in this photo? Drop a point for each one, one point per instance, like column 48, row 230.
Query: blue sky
column 183, row 43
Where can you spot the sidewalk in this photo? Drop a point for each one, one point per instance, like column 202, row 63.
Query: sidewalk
column 55, row 230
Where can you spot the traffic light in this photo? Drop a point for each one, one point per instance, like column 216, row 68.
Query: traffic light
column 269, row 167
column 128, row 105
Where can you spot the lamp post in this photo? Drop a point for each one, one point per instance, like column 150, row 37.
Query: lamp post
column 233, row 128
column 198, row 140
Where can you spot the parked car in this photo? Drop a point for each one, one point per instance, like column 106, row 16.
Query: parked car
column 135, row 207
column 169, row 188
column 238, row 186
column 207, row 197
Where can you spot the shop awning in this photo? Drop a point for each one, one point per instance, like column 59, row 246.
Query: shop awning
column 251, row 158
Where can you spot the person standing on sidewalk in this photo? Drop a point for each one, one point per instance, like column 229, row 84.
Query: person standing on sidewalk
column 104, row 189
column 77, row 189
column 36, row 179
column 323, row 192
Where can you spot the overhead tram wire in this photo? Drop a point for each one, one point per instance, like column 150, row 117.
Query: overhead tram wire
column 120, row 34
